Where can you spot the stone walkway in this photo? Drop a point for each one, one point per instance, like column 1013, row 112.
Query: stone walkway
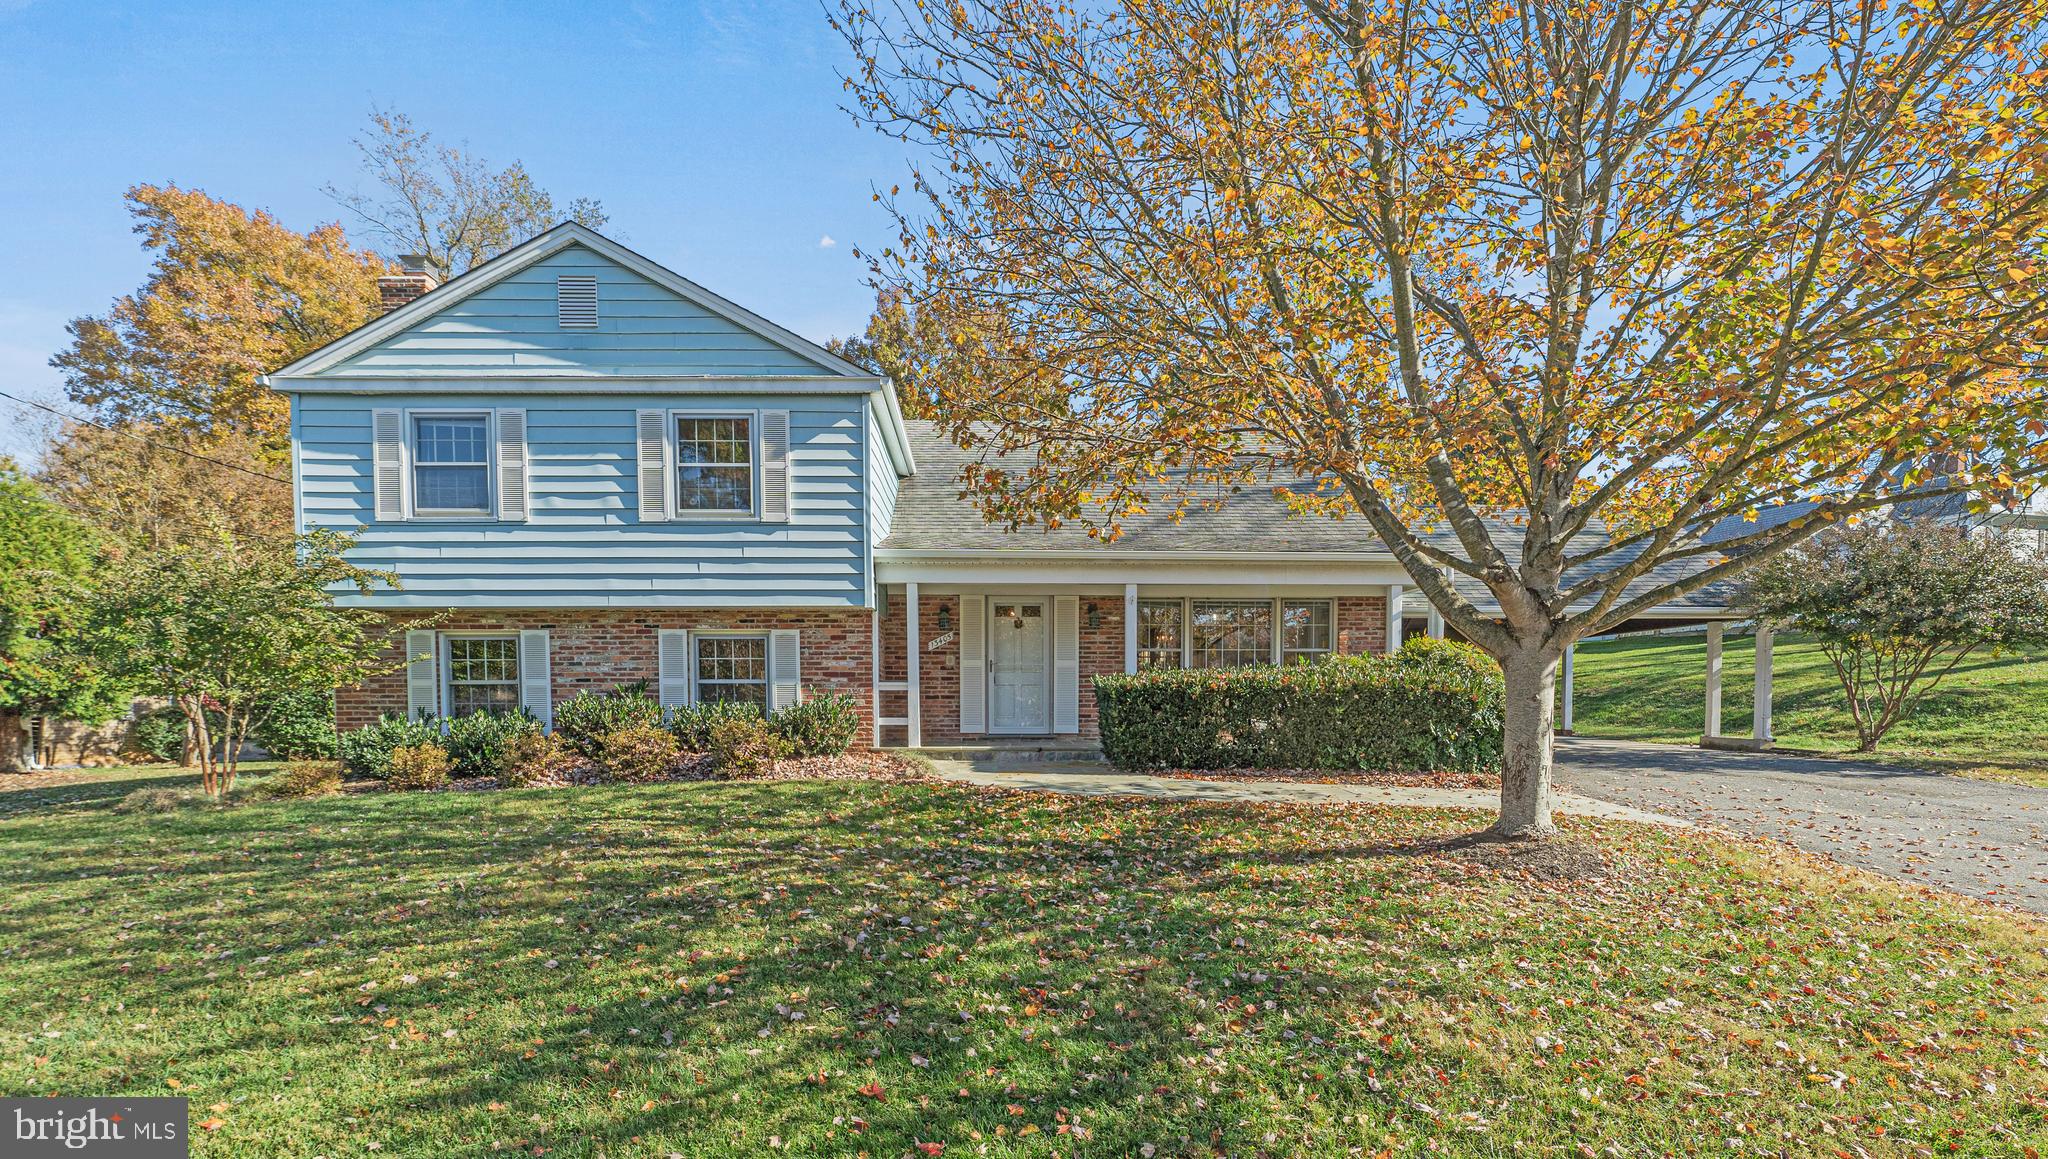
column 1093, row 779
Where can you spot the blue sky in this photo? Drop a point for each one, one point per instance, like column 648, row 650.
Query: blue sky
column 711, row 131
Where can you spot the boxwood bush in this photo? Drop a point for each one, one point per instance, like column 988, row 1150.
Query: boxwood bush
column 1352, row 712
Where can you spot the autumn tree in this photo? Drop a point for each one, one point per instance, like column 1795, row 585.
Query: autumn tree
column 230, row 629
column 46, row 563
column 232, row 293
column 446, row 203
column 152, row 485
column 1542, row 291
column 1895, row 607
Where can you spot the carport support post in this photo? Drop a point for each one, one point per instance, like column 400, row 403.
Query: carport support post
column 1436, row 623
column 1714, row 631
column 1760, row 726
column 913, row 669
column 1130, row 629
column 1565, row 724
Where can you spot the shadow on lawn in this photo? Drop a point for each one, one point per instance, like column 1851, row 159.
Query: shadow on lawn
column 1007, row 905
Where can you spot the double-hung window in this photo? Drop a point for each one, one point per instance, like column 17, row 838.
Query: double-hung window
column 714, row 465
column 483, row 674
column 1231, row 633
column 1306, row 633
column 451, row 464
column 732, row 668
column 1161, row 633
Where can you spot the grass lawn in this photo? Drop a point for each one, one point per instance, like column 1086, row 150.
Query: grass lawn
column 1989, row 718
column 842, row 968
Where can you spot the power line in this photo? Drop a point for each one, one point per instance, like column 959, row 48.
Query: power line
column 140, row 439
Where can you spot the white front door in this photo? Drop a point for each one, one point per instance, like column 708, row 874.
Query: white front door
column 1019, row 662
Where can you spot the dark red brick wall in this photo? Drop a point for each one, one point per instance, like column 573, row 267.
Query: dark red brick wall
column 598, row 650
column 1362, row 625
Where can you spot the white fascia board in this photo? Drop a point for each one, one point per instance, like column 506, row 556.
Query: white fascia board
column 546, row 245
column 1025, row 556
column 1275, row 572
column 890, row 412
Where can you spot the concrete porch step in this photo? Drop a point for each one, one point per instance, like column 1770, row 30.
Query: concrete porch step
column 1021, row 750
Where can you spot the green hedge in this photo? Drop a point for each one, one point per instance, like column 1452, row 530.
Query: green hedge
column 1399, row 713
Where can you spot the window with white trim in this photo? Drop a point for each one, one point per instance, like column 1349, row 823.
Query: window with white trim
column 1306, row 631
column 732, row 668
column 483, row 675
column 715, row 465
column 451, row 464
column 1160, row 633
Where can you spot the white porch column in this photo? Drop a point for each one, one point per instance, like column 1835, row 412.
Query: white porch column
column 1714, row 632
column 914, row 670
column 1569, row 649
column 1436, row 623
column 1130, row 629
column 1760, row 724
column 1395, row 594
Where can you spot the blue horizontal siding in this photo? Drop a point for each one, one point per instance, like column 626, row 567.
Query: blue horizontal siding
column 881, row 484
column 584, row 545
column 643, row 329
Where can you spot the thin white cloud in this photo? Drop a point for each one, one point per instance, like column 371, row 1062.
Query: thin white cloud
column 826, row 242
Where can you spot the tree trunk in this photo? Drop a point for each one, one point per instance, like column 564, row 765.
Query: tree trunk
column 1529, row 725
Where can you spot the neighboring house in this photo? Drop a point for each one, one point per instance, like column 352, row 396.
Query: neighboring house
column 589, row 471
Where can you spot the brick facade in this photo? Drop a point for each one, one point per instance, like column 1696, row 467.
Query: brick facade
column 1361, row 627
column 599, row 650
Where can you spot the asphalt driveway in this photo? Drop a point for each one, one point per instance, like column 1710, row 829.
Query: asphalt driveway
column 1975, row 837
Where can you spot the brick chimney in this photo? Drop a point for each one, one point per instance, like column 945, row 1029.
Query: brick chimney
column 412, row 280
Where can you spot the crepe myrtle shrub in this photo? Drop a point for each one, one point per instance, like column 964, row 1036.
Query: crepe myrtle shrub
column 366, row 752
column 691, row 723
column 420, row 766
column 478, row 743
column 585, row 719
column 1895, row 607
column 297, row 725
column 823, row 726
column 1350, row 712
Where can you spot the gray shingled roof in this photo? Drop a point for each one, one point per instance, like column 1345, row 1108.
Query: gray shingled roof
column 932, row 515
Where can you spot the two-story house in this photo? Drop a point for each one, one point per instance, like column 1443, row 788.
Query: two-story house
column 594, row 471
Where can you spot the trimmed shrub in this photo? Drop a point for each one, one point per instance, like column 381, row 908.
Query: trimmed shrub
column 588, row 717
column 692, row 723
column 744, row 745
column 1357, row 712
column 302, row 779
column 298, row 726
column 823, row 726
column 160, row 734
column 366, row 752
column 638, row 752
column 535, row 758
column 1446, row 655
column 477, row 743
column 421, row 766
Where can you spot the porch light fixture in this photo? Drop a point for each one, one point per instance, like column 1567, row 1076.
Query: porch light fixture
column 1094, row 617
column 945, row 620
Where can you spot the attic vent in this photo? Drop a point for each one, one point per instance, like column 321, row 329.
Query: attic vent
column 576, row 301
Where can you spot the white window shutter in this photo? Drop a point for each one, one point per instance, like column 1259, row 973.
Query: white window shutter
column 652, row 428
column 536, row 689
column 422, row 675
column 512, row 465
column 387, row 466
column 1066, row 664
column 973, row 665
column 785, row 669
column 672, row 657
column 775, row 466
